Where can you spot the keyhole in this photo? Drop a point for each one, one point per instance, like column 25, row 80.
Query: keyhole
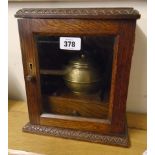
column 30, row 65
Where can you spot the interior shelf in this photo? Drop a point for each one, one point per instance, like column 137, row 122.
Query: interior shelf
column 51, row 72
column 48, row 42
column 68, row 105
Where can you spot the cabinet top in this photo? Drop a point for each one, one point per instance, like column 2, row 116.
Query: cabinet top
column 78, row 13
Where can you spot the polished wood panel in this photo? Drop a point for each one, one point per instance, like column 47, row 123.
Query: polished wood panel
column 120, row 76
column 98, row 126
column 69, row 106
column 28, row 57
column 74, row 27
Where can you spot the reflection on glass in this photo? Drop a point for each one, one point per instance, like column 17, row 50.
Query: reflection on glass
column 76, row 83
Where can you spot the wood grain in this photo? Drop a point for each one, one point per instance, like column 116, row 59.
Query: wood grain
column 119, row 23
column 135, row 120
column 17, row 117
column 121, row 73
column 102, row 126
column 43, row 26
column 73, row 107
column 73, row 27
column 32, row 88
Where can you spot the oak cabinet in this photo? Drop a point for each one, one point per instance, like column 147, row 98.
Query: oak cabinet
column 53, row 39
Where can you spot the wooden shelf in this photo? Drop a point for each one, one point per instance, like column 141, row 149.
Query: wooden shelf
column 51, row 72
column 48, row 42
column 64, row 105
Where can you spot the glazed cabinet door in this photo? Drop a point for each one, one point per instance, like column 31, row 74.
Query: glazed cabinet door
column 53, row 101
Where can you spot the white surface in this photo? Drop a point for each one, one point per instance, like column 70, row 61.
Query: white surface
column 136, row 101
column 19, row 152
column 145, row 153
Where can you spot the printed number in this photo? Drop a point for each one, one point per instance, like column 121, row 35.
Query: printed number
column 69, row 43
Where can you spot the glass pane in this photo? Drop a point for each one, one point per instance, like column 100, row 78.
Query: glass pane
column 76, row 82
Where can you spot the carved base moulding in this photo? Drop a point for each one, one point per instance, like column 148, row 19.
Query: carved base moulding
column 119, row 140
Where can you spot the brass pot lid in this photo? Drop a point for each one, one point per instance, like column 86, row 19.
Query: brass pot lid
column 82, row 62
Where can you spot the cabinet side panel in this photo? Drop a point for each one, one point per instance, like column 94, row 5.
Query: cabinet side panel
column 123, row 65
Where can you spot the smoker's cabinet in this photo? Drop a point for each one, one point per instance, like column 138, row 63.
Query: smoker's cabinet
column 76, row 67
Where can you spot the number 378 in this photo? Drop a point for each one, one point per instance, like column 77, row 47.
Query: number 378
column 69, row 43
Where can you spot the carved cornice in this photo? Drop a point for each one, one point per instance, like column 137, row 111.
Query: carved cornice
column 81, row 13
column 122, row 140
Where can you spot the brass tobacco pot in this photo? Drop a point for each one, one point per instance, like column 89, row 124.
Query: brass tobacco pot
column 82, row 76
